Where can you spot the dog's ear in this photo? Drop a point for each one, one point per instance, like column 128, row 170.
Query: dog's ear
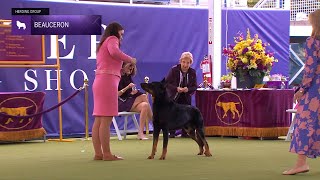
column 164, row 82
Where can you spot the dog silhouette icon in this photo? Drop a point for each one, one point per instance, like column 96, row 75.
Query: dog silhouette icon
column 21, row 25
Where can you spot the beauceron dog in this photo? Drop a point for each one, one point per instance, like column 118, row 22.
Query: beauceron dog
column 168, row 115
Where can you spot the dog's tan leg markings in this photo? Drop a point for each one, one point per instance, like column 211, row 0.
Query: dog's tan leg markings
column 164, row 153
column 200, row 143
column 200, row 135
column 156, row 132
column 192, row 134
column 154, row 149
column 207, row 150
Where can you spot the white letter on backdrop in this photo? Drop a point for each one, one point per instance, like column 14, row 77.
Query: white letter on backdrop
column 48, row 75
column 31, row 80
column 53, row 49
column 93, row 42
column 72, row 78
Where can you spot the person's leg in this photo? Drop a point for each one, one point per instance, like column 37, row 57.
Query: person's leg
column 143, row 109
column 141, row 105
column 143, row 98
column 301, row 161
column 300, row 167
column 104, row 135
column 95, row 138
column 139, row 99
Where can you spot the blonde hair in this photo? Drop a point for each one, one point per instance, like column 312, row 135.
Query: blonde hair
column 314, row 19
column 186, row 55
column 134, row 68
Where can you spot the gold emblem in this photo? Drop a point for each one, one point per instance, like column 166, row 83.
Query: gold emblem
column 229, row 108
column 14, row 109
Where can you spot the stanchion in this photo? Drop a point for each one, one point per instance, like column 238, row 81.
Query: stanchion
column 146, row 80
column 86, row 109
column 59, row 96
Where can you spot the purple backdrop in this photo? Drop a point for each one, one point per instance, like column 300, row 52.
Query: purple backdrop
column 156, row 36
column 272, row 26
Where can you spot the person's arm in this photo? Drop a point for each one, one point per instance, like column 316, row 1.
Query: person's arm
column 309, row 68
column 192, row 84
column 116, row 53
column 123, row 90
column 171, row 82
column 310, row 64
column 123, row 87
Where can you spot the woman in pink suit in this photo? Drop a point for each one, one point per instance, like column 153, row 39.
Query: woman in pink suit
column 306, row 136
column 105, row 89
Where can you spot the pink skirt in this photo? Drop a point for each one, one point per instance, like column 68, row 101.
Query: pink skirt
column 105, row 95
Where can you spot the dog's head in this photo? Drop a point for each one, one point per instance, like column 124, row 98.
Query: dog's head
column 156, row 89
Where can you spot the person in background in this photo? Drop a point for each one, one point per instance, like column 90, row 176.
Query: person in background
column 182, row 83
column 306, row 136
column 105, row 89
column 131, row 99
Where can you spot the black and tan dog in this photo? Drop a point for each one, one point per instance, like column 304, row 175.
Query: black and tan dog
column 168, row 115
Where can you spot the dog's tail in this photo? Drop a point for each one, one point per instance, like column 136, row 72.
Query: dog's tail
column 200, row 135
column 200, row 122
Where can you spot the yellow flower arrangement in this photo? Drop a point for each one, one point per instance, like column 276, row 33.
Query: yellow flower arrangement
column 249, row 56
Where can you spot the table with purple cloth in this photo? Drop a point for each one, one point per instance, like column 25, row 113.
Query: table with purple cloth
column 277, row 84
column 21, row 104
column 252, row 113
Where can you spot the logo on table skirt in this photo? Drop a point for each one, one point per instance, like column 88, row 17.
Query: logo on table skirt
column 17, row 106
column 229, row 108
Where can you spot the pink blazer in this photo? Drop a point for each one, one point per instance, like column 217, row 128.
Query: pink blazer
column 110, row 57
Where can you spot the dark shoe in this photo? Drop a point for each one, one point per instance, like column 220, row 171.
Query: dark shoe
column 172, row 136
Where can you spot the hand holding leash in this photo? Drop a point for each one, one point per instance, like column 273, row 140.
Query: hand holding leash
column 185, row 89
column 179, row 89
column 131, row 85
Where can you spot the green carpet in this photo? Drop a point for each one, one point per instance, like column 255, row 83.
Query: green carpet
column 233, row 158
